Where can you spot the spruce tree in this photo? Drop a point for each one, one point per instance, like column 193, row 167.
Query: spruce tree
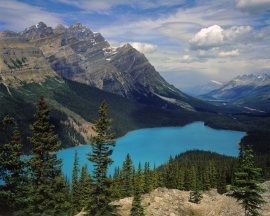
column 221, row 182
column 196, row 195
column 245, row 189
column 48, row 188
column 180, row 179
column 206, row 180
column 212, row 174
column 139, row 178
column 137, row 209
column 193, row 178
column 75, row 184
column 147, row 178
column 117, row 184
column 155, row 178
column 14, row 194
column 85, row 188
column 102, row 145
column 171, row 174
column 127, row 177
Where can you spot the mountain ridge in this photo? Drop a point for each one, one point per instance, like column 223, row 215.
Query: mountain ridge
column 79, row 54
column 26, row 61
column 251, row 92
column 21, row 61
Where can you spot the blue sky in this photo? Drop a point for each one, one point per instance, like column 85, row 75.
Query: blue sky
column 189, row 42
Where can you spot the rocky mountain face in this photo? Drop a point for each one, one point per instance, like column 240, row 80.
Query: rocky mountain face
column 21, row 62
column 78, row 54
column 172, row 202
column 34, row 62
column 240, row 86
column 81, row 55
column 251, row 92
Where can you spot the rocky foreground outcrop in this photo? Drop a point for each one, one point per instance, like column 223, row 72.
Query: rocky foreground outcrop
column 172, row 202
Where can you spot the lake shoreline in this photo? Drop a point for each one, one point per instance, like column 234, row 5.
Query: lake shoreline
column 155, row 145
column 152, row 128
column 182, row 126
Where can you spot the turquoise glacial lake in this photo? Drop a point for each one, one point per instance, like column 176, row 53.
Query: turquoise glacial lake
column 155, row 145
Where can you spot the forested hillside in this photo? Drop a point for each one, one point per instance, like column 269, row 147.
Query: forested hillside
column 74, row 106
column 49, row 193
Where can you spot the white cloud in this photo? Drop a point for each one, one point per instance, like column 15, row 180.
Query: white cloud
column 194, row 39
column 253, row 6
column 180, row 31
column 207, row 37
column 218, row 52
column 215, row 36
column 230, row 53
column 187, row 59
column 105, row 6
column 190, row 59
column 229, row 36
column 144, row 47
column 17, row 15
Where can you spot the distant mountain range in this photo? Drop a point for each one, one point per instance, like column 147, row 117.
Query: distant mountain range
column 249, row 92
column 202, row 89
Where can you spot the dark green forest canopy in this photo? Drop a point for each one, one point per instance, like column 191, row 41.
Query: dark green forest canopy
column 194, row 170
column 84, row 100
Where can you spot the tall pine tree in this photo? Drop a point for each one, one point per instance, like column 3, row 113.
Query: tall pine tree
column 47, row 183
column 14, row 194
column 75, row 184
column 137, row 209
column 127, row 188
column 85, row 188
column 102, row 145
column 245, row 189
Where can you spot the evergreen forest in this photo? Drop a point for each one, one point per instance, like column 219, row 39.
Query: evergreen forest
column 37, row 186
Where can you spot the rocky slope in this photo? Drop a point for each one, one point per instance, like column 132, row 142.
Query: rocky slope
column 172, row 202
column 250, row 93
column 240, row 86
column 81, row 55
column 21, row 62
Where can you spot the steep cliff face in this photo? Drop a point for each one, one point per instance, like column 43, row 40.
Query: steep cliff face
column 21, row 62
column 81, row 55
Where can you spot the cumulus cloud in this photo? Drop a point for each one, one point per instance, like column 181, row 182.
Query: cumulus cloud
column 253, row 6
column 207, row 37
column 144, row 47
column 215, row 36
column 17, row 15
